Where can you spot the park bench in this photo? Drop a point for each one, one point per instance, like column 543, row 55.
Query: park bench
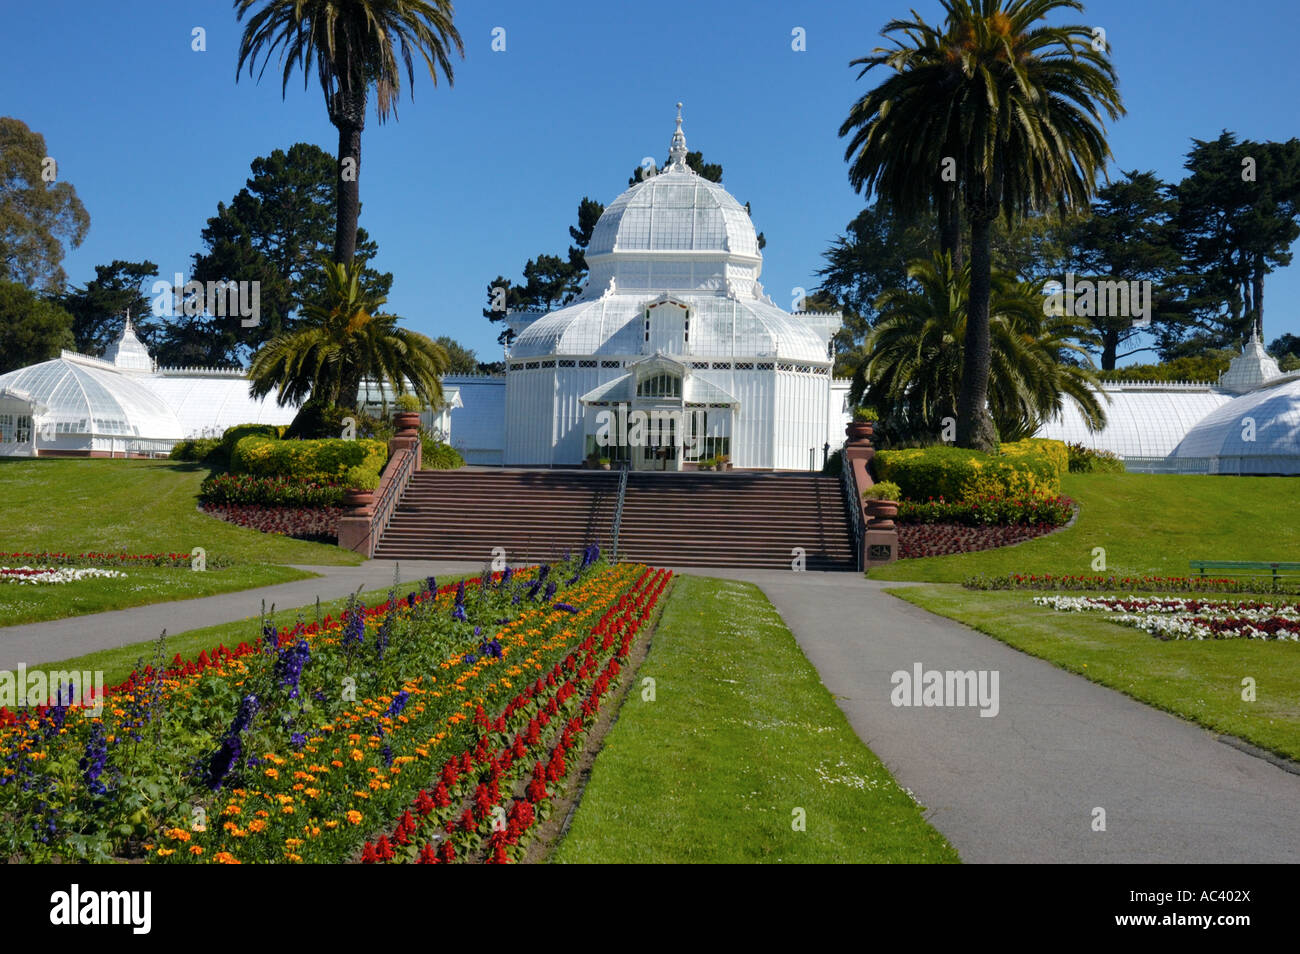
column 1247, row 568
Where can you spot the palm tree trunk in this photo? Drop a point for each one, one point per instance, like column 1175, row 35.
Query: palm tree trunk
column 348, row 192
column 950, row 224
column 974, row 426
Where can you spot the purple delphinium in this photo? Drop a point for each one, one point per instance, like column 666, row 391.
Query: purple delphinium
column 288, row 668
column 354, row 631
column 92, row 763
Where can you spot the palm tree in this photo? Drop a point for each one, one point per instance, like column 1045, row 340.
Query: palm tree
column 1017, row 105
column 341, row 339
column 355, row 44
column 916, row 355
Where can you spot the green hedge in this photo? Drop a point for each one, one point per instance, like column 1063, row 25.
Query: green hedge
column 195, row 450
column 326, row 460
column 954, row 473
column 1085, row 460
column 439, row 456
column 233, row 435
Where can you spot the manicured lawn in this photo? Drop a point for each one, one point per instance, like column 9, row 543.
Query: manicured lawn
column 141, row 585
column 1198, row 680
column 1148, row 524
column 118, row 663
column 741, row 733
column 138, row 506
column 133, row 506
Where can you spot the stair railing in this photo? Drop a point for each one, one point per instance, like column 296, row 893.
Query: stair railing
column 618, row 512
column 396, row 476
column 853, row 504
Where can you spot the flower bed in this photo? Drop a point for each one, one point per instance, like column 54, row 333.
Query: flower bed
column 1189, row 618
column 940, row 539
column 1156, row 584
column 322, row 735
column 106, row 559
column 19, row 575
column 305, row 523
column 269, row 491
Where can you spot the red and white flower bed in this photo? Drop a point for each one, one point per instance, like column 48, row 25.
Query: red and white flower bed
column 1179, row 618
column 53, row 574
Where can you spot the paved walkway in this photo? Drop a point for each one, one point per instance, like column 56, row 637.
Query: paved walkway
column 1022, row 786
column 33, row 643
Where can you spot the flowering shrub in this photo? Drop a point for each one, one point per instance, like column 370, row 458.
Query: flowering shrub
column 390, row 726
column 955, row 473
column 324, row 460
column 112, row 559
column 1161, row 584
column 270, row 491
column 305, row 523
column 1189, row 618
column 1054, row 511
column 49, row 574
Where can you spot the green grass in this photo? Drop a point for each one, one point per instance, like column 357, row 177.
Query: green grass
column 1197, row 680
column 1148, row 524
column 741, row 733
column 152, row 584
column 140, row 506
column 133, row 506
column 118, row 663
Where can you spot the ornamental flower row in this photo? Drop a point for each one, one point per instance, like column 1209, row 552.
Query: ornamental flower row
column 1189, row 618
column 1032, row 510
column 523, row 757
column 306, row 742
column 42, row 575
column 61, row 558
column 1159, row 584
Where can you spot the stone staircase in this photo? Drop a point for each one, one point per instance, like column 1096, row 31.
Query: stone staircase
column 736, row 519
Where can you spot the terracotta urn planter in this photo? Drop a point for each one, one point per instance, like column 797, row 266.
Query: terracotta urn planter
column 358, row 499
column 406, row 422
column 858, row 431
column 881, row 514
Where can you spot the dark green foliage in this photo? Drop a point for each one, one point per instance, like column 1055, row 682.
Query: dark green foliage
column 1085, row 460
column 202, row 450
column 436, row 455
column 31, row 330
column 99, row 306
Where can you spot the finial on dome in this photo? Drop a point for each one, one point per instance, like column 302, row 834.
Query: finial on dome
column 677, row 151
column 127, row 329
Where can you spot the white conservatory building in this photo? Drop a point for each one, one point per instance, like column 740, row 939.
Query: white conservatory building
column 1248, row 422
column 122, row 404
column 673, row 327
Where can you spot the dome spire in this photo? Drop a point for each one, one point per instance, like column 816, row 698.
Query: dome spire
column 677, row 151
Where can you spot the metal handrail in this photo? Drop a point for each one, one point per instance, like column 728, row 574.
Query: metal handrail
column 392, row 493
column 618, row 512
column 853, row 503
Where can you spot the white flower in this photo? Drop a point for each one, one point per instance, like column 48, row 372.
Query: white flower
column 51, row 574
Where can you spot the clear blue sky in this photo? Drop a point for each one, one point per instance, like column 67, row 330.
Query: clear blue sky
column 473, row 180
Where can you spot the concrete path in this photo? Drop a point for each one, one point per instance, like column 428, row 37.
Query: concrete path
column 33, row 643
column 1023, row 786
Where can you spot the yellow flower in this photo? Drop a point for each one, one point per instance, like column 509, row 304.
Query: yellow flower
column 354, row 817
column 225, row 858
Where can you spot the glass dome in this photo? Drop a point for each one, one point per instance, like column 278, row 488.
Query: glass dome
column 1257, row 433
column 88, row 397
